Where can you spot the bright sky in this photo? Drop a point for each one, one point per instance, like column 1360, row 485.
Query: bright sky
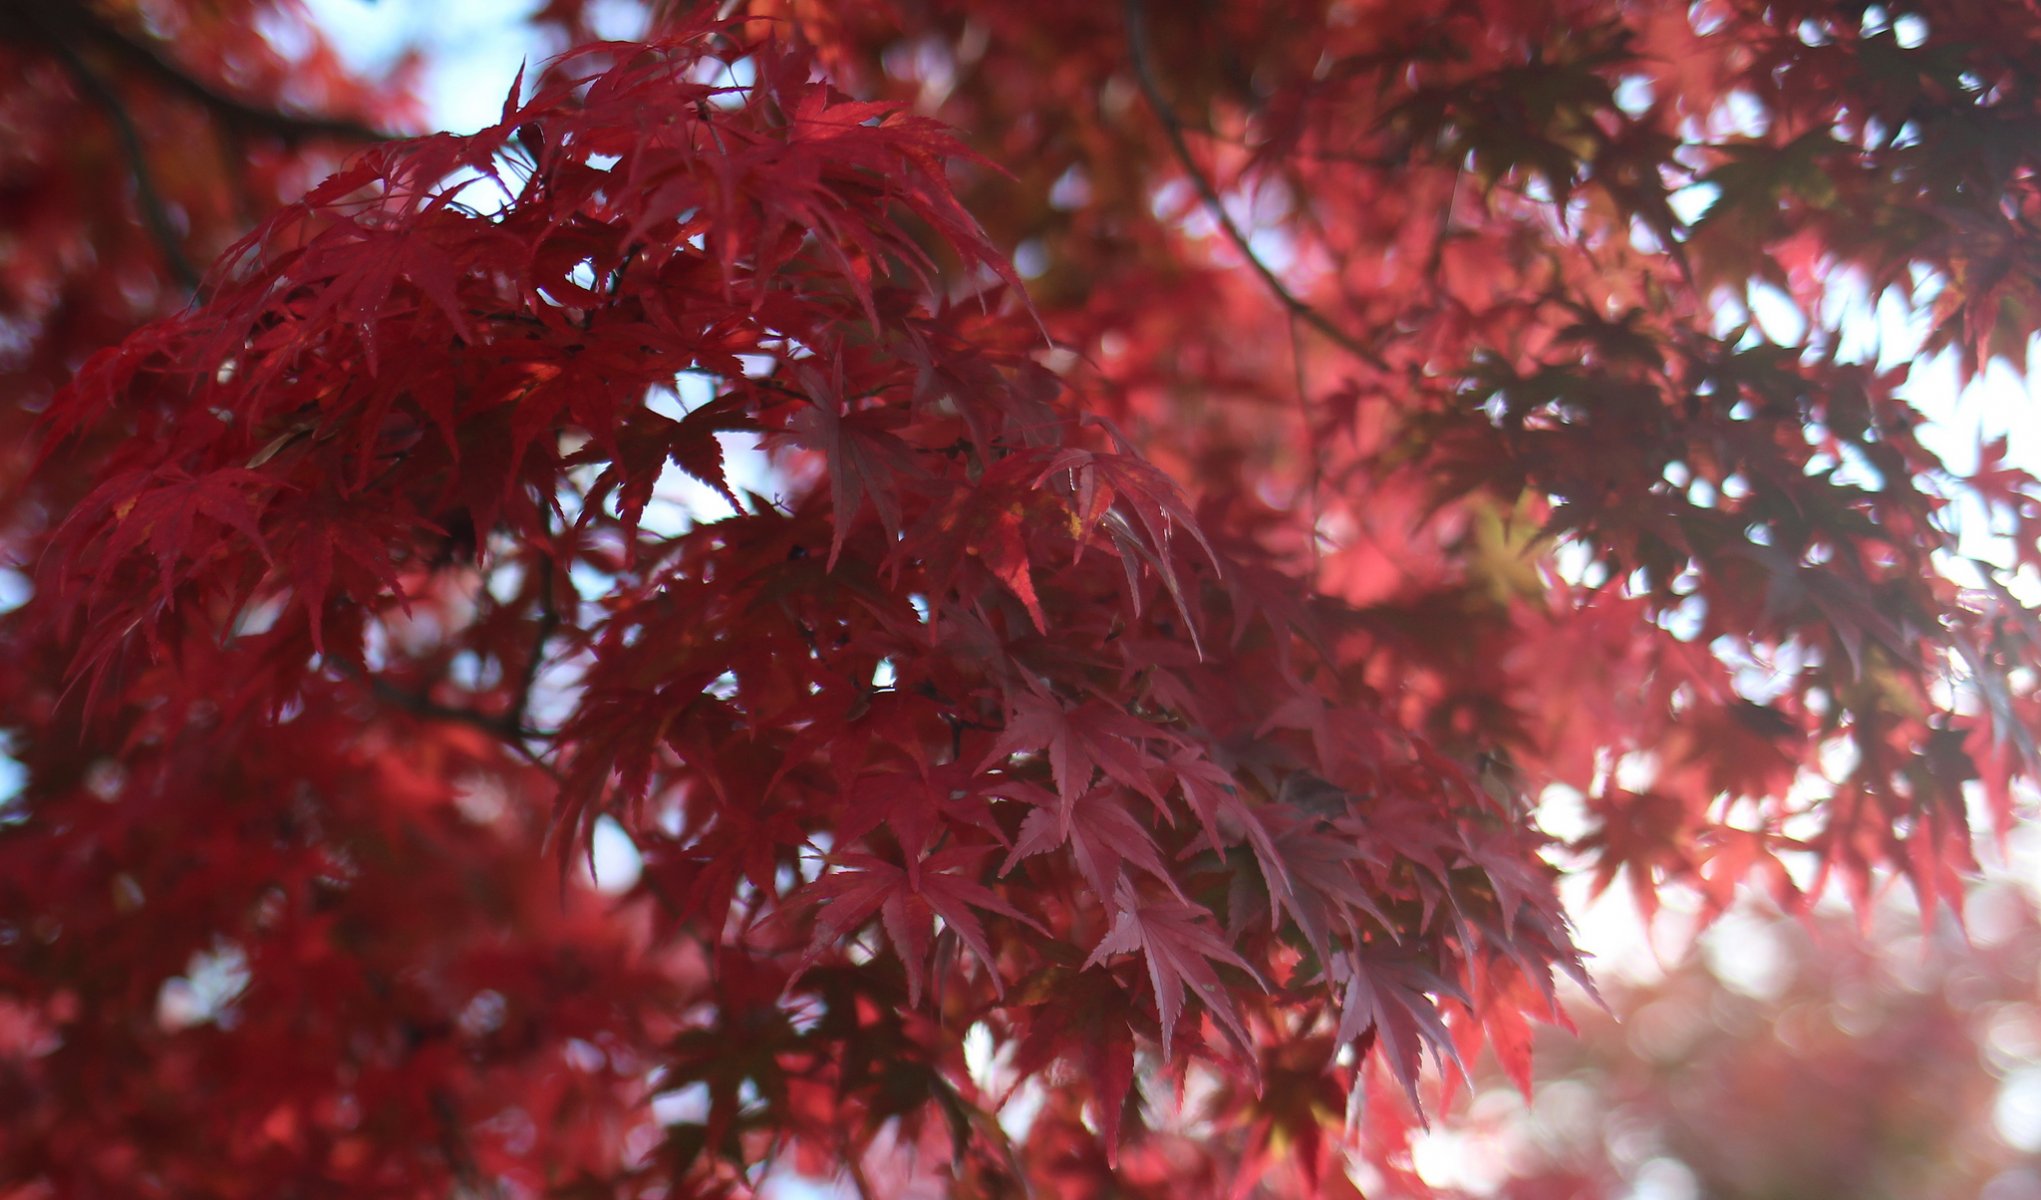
column 473, row 48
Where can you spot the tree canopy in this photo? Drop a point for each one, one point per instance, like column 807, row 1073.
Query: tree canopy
column 1229, row 463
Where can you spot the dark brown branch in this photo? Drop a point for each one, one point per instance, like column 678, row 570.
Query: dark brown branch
column 507, row 728
column 1173, row 128
column 68, row 29
column 453, row 1146
column 286, row 127
column 154, row 212
column 501, row 725
column 548, row 623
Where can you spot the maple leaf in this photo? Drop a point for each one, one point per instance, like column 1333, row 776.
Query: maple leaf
column 1006, row 553
column 864, row 459
column 1729, row 860
column 907, row 900
column 647, row 440
column 919, row 806
column 1108, row 484
column 347, row 538
column 1088, row 1016
column 1310, row 875
column 1213, row 794
column 1175, row 938
column 1102, row 836
column 166, row 514
column 1080, row 743
column 1394, row 995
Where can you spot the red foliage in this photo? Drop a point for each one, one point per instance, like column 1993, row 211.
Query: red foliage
column 1142, row 681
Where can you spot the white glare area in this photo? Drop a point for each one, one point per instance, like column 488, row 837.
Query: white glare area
column 2018, row 1183
column 687, row 1105
column 1071, row 191
column 1749, row 955
column 472, row 49
column 614, row 856
column 1617, row 943
column 1562, row 812
column 1690, row 203
column 616, row 20
column 1030, row 259
column 1665, row 1179
column 796, row 1187
column 13, row 778
column 1574, row 562
column 1909, row 30
column 1775, row 313
column 483, row 1014
column 15, row 589
column 978, row 1052
column 2017, row 1113
column 1634, row 95
column 1452, row 1159
column 206, row 991
column 1257, row 212
column 730, row 79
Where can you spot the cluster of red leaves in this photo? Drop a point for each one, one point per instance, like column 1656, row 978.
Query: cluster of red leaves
column 295, row 953
column 979, row 691
column 1200, row 816
column 1529, row 245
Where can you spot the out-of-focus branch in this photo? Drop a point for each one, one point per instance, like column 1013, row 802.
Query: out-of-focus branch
column 146, row 59
column 543, row 628
column 1173, row 128
column 507, row 728
column 154, row 212
column 70, row 29
column 75, row 36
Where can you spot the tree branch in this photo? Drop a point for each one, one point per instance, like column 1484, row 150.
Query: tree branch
column 507, row 728
column 544, row 627
column 855, row 1169
column 154, row 213
column 501, row 725
column 65, row 29
column 1173, row 128
column 287, row 127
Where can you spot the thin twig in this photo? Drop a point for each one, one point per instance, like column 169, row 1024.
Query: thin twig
column 505, row 728
column 1173, row 128
column 154, row 213
column 425, row 706
column 547, row 624
column 453, row 1147
column 1315, row 480
column 856, row 1171
column 1437, row 257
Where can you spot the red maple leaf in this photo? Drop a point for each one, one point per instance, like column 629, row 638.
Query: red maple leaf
column 1176, row 940
column 907, row 900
